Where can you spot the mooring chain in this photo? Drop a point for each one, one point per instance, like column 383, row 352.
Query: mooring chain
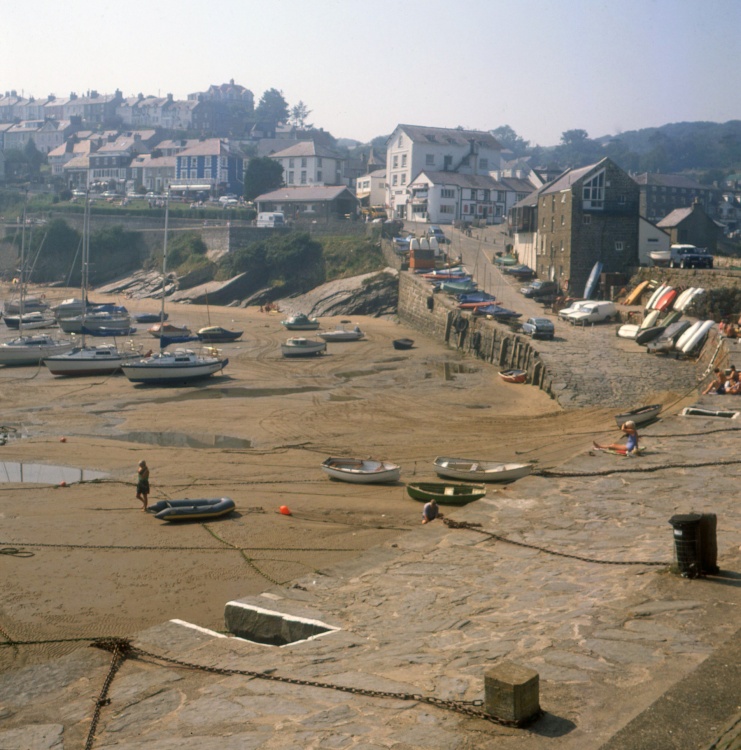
column 478, row 528
column 15, row 552
column 467, row 708
column 25, row 553
column 120, row 648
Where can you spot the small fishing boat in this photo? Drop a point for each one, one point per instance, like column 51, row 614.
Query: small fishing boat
column 32, row 320
column 343, row 334
column 31, row 350
column 641, row 415
column 480, row 471
column 514, row 376
column 459, row 287
column 361, row 470
column 505, row 260
column 302, row 347
column 218, row 335
column 699, row 411
column 403, row 344
column 191, row 510
column 649, row 334
column 300, row 322
column 445, row 493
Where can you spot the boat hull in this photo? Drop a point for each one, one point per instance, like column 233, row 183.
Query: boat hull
column 302, row 348
column 360, row 471
column 445, row 493
column 513, row 376
column 191, row 510
column 218, row 335
column 159, row 372
column 403, row 344
column 79, row 362
column 642, row 415
column 13, row 354
column 480, row 471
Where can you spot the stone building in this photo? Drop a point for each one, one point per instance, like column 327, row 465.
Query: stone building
column 691, row 226
column 660, row 194
column 585, row 216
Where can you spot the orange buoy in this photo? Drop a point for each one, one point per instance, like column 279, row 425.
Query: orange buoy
column 285, row 510
column 62, row 439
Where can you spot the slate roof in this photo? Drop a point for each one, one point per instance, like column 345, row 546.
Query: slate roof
column 483, row 181
column 677, row 216
column 209, row 147
column 306, row 148
column 305, row 193
column 668, row 180
column 445, row 136
column 568, row 178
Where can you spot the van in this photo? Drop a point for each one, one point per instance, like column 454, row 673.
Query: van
column 271, row 219
column 594, row 312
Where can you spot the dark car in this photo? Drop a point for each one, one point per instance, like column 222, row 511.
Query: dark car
column 540, row 288
column 438, row 234
column 539, row 328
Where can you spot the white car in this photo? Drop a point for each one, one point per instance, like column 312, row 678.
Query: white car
column 594, row 312
column 572, row 308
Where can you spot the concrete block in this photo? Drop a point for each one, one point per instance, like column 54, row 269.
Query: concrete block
column 511, row 692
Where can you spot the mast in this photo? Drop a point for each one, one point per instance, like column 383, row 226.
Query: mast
column 84, row 276
column 164, row 260
column 22, row 295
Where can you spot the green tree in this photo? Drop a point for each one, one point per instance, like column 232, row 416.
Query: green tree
column 295, row 258
column 272, row 107
column 299, row 114
column 262, row 175
column 509, row 139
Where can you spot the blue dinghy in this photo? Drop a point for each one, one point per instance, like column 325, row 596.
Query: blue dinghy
column 191, row 510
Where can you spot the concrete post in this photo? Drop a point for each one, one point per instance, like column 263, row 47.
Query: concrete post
column 511, row 692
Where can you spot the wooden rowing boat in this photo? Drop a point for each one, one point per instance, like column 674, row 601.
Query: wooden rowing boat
column 513, row 376
column 641, row 415
column 445, row 493
column 361, row 471
column 480, row 471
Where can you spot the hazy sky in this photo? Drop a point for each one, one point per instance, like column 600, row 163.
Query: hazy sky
column 363, row 66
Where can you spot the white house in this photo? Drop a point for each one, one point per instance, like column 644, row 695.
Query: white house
column 412, row 149
column 306, row 163
column 650, row 238
column 370, row 188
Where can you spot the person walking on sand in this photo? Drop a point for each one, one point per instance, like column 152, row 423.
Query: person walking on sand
column 630, row 448
column 142, row 484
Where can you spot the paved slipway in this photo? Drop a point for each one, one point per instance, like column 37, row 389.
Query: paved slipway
column 568, row 574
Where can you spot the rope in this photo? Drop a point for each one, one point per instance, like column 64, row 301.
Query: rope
column 477, row 527
column 15, row 552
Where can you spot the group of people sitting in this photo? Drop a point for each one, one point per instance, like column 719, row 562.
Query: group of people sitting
column 729, row 329
column 724, row 382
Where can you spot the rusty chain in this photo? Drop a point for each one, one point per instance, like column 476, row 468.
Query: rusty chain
column 466, row 708
column 478, row 528
column 120, row 648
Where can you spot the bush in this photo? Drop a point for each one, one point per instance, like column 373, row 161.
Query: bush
column 717, row 304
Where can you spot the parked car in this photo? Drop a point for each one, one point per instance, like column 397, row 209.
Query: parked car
column 520, row 271
column 541, row 288
column 594, row 312
column 438, row 234
column 539, row 328
column 564, row 312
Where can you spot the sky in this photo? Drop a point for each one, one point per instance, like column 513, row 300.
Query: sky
column 363, row 66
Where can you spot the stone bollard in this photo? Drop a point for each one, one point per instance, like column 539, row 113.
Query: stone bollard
column 511, row 692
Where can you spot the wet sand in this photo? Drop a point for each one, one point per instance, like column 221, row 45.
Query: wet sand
column 101, row 567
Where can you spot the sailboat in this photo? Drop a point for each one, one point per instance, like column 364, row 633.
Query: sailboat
column 29, row 350
column 172, row 367
column 104, row 359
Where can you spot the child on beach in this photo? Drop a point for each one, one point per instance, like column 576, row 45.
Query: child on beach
column 430, row 511
column 142, row 484
column 630, row 448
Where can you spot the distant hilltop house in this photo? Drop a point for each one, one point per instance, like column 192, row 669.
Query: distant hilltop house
column 444, row 175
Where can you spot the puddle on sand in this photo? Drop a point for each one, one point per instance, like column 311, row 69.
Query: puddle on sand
column 183, row 440
column 333, row 397
column 451, row 369
column 350, row 374
column 20, row 472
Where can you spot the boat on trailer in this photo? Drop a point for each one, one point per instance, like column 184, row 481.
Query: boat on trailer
column 445, row 493
column 361, row 470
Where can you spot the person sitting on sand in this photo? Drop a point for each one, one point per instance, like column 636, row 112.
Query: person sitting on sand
column 717, row 384
column 430, row 511
column 142, row 484
column 631, row 446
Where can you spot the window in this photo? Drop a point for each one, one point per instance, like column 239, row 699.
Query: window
column 593, row 192
column 447, row 209
column 303, row 176
column 403, row 160
column 319, row 176
column 394, row 180
column 619, row 247
column 586, row 219
column 622, row 200
column 290, row 163
column 396, row 161
column 447, row 193
column 403, row 179
column 290, row 178
column 563, row 220
column 447, row 162
column 430, row 160
column 303, row 161
column 319, row 161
